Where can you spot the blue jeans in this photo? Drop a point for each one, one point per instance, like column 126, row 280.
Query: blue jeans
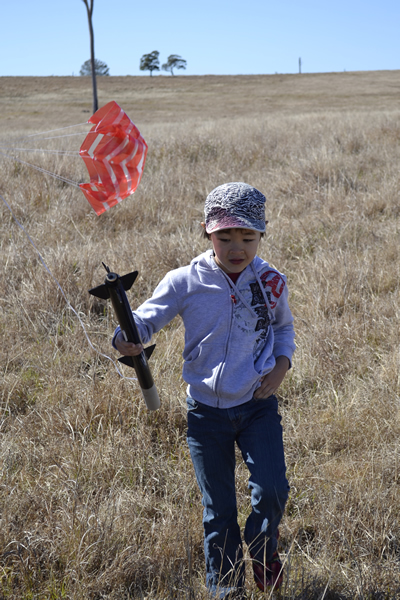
column 212, row 432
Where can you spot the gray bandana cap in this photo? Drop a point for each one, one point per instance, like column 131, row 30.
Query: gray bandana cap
column 235, row 205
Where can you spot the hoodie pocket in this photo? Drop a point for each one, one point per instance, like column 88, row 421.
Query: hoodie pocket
column 202, row 364
column 191, row 404
column 193, row 355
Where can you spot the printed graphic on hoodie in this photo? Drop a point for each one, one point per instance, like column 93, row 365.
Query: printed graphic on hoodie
column 273, row 285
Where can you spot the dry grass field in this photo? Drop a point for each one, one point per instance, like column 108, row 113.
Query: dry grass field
column 97, row 496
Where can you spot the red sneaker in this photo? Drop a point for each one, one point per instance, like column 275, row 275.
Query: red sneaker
column 268, row 575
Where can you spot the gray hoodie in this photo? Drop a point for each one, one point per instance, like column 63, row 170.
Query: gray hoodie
column 233, row 333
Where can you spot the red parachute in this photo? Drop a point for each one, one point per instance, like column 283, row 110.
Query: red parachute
column 114, row 153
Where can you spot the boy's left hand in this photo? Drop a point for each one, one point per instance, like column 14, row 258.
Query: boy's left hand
column 271, row 382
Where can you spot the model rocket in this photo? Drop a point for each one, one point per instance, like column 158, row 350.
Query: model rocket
column 114, row 288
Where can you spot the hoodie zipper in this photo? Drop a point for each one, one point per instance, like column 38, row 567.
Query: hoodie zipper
column 233, row 287
column 221, row 368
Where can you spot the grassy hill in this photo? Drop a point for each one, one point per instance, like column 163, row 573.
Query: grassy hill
column 97, row 495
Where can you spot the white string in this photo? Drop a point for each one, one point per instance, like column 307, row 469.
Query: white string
column 62, row 152
column 25, row 137
column 56, row 152
column 58, row 137
column 64, row 296
column 23, row 162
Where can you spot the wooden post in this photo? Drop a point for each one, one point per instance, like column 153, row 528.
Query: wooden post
column 91, row 32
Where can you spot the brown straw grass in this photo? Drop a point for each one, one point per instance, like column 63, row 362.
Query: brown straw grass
column 98, row 497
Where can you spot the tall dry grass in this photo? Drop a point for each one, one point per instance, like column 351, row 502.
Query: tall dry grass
column 98, row 497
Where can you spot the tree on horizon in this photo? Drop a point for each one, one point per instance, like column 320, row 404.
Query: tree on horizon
column 100, row 68
column 150, row 62
column 174, row 61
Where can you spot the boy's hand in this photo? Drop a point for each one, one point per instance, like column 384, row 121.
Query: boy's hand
column 271, row 382
column 127, row 348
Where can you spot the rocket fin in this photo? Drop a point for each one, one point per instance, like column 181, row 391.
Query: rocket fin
column 149, row 350
column 128, row 280
column 127, row 360
column 101, row 291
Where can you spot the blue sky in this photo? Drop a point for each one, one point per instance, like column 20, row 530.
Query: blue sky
column 51, row 37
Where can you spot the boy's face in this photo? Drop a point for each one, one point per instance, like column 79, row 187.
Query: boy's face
column 235, row 248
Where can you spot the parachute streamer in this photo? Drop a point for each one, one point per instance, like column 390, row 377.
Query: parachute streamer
column 114, row 153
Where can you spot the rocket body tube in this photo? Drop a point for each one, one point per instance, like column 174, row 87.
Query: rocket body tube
column 114, row 288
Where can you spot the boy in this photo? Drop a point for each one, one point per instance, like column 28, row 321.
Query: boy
column 239, row 342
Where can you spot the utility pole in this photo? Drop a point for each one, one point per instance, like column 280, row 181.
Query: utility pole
column 89, row 9
column 300, row 66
